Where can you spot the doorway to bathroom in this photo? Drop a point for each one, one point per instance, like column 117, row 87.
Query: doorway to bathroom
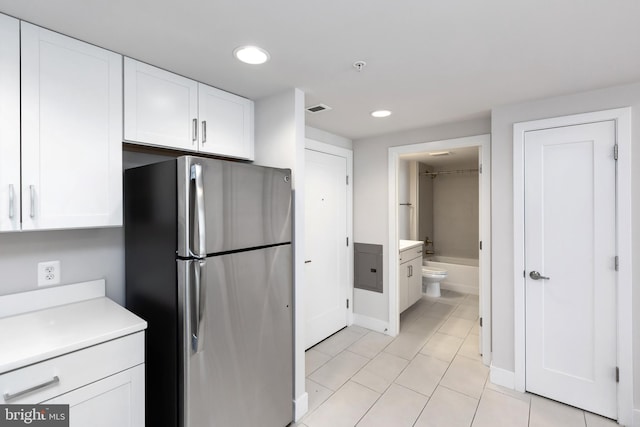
column 439, row 193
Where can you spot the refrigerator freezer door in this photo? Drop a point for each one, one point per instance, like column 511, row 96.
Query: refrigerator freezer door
column 242, row 373
column 245, row 206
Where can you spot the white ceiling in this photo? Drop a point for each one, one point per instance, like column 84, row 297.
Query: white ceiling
column 430, row 61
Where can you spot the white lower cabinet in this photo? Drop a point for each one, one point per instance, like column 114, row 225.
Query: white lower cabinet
column 405, row 273
column 103, row 384
column 114, row 401
column 410, row 283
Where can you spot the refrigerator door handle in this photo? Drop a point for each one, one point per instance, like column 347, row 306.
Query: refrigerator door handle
column 197, row 302
column 198, row 235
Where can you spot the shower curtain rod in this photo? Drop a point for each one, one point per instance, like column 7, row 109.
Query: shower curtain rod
column 434, row 174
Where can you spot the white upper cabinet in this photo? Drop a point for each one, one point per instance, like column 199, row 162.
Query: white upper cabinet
column 161, row 108
column 226, row 123
column 71, row 132
column 9, row 124
column 166, row 110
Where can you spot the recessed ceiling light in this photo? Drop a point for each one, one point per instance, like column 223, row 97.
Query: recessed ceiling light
column 253, row 55
column 440, row 153
column 381, row 113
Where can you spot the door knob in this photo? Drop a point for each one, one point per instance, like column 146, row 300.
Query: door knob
column 537, row 276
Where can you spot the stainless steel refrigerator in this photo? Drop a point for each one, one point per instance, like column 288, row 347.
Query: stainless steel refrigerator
column 209, row 266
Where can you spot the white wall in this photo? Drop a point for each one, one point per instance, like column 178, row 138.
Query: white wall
column 371, row 223
column 502, row 122
column 83, row 254
column 455, row 215
column 328, row 138
column 279, row 142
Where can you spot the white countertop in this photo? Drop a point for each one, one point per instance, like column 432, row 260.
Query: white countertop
column 39, row 335
column 408, row 244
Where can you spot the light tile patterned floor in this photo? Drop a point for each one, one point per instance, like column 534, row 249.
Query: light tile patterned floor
column 430, row 375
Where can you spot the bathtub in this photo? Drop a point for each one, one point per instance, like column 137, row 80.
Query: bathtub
column 463, row 273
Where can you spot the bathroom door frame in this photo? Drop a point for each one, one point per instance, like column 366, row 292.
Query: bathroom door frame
column 483, row 142
column 622, row 117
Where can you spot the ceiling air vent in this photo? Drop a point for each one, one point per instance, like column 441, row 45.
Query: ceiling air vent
column 315, row 109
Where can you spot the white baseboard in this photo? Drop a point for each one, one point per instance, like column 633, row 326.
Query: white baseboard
column 301, row 406
column 370, row 323
column 465, row 289
column 502, row 377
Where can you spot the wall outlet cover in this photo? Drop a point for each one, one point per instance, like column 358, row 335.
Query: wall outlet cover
column 48, row 273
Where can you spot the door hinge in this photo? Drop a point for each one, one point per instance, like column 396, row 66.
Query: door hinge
column 615, row 152
column 347, row 302
column 347, row 179
column 480, row 168
column 524, row 273
column 481, row 322
column 480, row 244
column 617, row 374
column 617, row 262
column 347, row 241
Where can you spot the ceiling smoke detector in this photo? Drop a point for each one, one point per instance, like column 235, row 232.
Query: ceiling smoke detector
column 359, row 65
column 315, row 109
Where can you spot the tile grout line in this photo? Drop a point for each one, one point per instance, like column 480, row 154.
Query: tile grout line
column 448, row 367
column 444, row 319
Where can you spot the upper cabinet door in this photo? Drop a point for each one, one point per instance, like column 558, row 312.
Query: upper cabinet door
column 226, row 123
column 71, row 132
column 9, row 124
column 160, row 108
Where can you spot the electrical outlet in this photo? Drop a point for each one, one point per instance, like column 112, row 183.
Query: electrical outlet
column 48, row 273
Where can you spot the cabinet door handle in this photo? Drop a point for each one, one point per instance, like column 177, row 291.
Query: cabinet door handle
column 410, row 271
column 32, row 195
column 194, row 136
column 11, row 396
column 11, row 202
column 204, row 131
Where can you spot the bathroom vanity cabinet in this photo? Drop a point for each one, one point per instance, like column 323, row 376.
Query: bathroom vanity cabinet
column 410, row 271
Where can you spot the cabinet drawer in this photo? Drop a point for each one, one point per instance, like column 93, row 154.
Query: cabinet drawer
column 409, row 254
column 72, row 370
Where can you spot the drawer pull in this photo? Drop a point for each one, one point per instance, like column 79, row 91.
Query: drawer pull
column 9, row 396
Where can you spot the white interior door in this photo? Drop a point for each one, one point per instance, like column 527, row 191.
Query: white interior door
column 570, row 229
column 325, row 245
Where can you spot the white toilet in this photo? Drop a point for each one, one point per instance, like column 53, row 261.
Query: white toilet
column 433, row 277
